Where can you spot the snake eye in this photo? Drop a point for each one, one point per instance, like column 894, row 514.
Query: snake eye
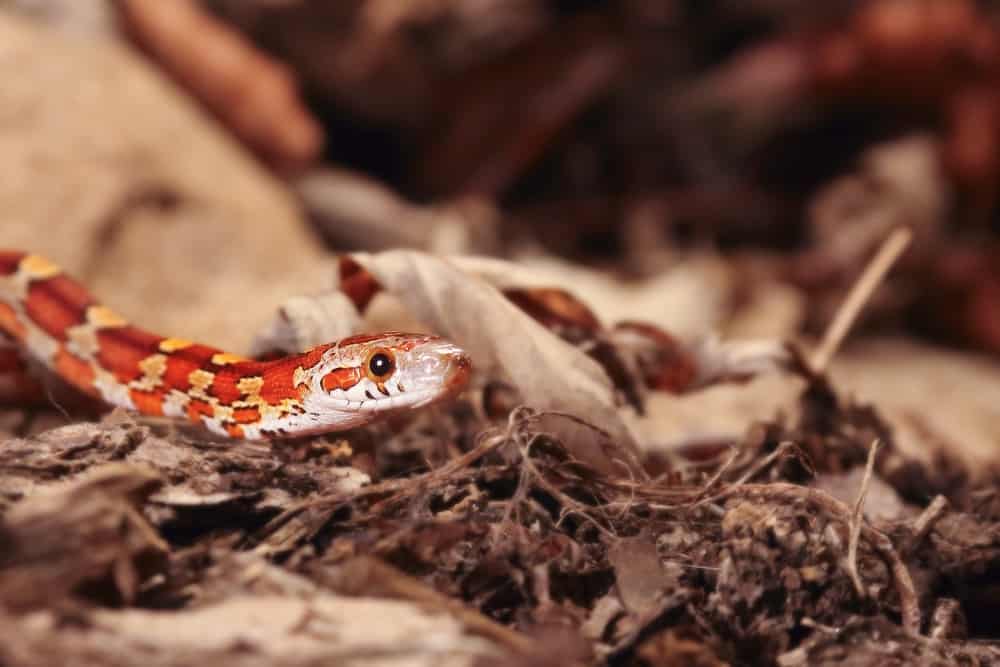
column 380, row 364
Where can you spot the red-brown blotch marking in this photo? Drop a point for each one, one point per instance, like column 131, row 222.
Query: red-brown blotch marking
column 285, row 376
column 148, row 402
column 184, row 362
column 11, row 323
column 281, row 385
column 121, row 350
column 10, row 262
column 56, row 304
column 198, row 408
column 342, row 378
column 249, row 415
column 225, row 387
column 74, row 370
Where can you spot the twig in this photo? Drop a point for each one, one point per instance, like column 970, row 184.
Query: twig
column 524, row 475
column 690, row 497
column 857, row 520
column 570, row 505
column 766, row 462
column 710, row 484
column 761, row 465
column 923, row 523
column 859, row 295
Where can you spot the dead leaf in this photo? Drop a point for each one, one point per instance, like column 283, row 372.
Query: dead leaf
column 638, row 573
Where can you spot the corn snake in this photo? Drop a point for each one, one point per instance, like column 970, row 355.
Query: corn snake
column 332, row 387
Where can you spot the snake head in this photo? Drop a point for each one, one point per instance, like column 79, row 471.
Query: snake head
column 366, row 376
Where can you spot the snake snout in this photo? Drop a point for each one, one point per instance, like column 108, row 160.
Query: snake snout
column 440, row 367
column 460, row 367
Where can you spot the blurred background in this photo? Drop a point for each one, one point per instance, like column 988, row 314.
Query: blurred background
column 192, row 155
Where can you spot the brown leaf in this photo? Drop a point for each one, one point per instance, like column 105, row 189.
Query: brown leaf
column 639, row 576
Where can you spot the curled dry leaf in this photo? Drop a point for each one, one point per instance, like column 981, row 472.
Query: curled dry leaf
column 691, row 357
column 504, row 342
column 689, row 300
column 663, row 362
column 562, row 313
column 17, row 384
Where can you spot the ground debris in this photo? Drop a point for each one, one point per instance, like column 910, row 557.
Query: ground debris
column 865, row 642
column 88, row 537
column 495, row 537
column 247, row 630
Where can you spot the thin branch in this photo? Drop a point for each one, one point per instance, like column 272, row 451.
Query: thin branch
column 857, row 520
column 925, row 522
column 859, row 295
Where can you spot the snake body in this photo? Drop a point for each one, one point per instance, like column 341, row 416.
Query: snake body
column 332, row 387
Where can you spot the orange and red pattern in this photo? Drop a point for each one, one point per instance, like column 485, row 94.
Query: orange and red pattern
column 59, row 322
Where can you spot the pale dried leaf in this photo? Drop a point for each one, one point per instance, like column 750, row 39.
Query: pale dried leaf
column 882, row 501
column 719, row 414
column 689, row 300
column 721, row 361
column 251, row 630
column 934, row 399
